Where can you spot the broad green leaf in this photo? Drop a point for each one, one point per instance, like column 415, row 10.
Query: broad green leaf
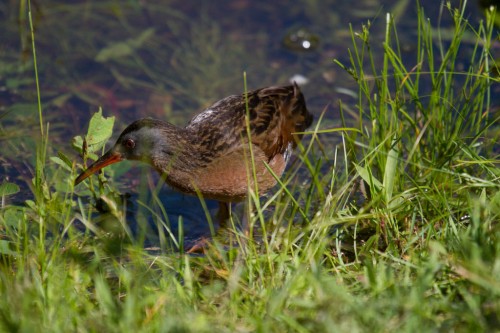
column 13, row 216
column 78, row 143
column 5, row 247
column 100, row 130
column 390, row 171
column 368, row 177
column 8, row 189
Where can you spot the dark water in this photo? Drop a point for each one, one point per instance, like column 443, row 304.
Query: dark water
column 169, row 60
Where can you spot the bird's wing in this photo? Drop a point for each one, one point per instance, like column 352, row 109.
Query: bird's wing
column 274, row 114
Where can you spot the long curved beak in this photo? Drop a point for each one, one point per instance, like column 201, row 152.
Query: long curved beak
column 110, row 157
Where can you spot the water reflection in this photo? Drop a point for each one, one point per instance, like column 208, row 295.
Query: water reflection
column 162, row 228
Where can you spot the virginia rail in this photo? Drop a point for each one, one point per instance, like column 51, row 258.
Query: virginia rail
column 211, row 154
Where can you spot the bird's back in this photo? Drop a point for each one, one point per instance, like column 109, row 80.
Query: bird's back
column 274, row 114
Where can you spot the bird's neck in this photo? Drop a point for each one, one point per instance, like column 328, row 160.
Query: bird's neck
column 177, row 157
column 172, row 150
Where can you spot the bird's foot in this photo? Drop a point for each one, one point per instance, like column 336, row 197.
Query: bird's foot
column 199, row 246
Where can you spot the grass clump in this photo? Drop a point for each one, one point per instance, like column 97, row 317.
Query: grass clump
column 419, row 250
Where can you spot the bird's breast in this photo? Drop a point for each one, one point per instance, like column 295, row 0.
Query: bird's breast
column 228, row 177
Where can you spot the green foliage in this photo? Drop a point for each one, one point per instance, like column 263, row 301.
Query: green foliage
column 98, row 134
column 397, row 229
column 8, row 189
column 123, row 49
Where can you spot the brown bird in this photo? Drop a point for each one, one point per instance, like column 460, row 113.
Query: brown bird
column 212, row 155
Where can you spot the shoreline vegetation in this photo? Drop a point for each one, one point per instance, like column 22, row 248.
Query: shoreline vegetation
column 401, row 234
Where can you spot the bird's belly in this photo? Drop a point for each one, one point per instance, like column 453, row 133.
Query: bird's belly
column 229, row 178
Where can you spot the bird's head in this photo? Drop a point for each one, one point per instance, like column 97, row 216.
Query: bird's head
column 139, row 141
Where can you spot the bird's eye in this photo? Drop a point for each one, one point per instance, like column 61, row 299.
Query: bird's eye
column 129, row 144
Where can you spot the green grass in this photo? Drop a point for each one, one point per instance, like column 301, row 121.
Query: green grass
column 419, row 251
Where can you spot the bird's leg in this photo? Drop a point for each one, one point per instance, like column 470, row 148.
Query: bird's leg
column 223, row 215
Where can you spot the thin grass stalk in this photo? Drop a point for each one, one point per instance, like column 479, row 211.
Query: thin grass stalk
column 39, row 102
column 253, row 195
